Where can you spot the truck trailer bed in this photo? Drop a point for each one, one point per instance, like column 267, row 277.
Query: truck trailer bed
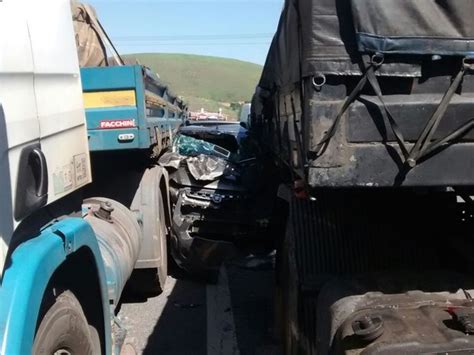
column 349, row 96
column 128, row 107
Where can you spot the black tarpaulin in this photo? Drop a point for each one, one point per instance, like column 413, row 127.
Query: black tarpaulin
column 328, row 36
column 415, row 26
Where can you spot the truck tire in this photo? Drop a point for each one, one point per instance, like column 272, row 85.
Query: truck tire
column 163, row 267
column 64, row 329
column 151, row 282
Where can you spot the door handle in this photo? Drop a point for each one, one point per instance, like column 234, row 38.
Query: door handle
column 40, row 170
column 32, row 182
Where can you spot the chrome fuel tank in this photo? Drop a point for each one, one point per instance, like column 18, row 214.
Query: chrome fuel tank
column 119, row 237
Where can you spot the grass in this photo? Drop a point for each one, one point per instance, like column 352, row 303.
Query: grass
column 204, row 82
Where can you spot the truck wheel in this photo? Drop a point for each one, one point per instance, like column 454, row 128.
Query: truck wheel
column 163, row 267
column 64, row 330
column 151, row 282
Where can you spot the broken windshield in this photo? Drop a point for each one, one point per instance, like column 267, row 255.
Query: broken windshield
column 189, row 146
column 233, row 144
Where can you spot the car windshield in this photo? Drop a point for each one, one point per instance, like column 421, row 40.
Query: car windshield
column 189, row 146
column 228, row 141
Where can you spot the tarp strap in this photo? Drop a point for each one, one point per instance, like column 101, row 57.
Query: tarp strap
column 323, row 143
column 297, row 135
column 371, row 66
column 386, row 114
column 423, row 145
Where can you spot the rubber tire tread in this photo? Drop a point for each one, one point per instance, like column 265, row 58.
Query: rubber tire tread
column 64, row 326
column 151, row 282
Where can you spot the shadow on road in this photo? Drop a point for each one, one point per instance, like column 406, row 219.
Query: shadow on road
column 181, row 328
column 176, row 322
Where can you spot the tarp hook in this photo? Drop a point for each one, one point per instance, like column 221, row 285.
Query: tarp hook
column 319, row 80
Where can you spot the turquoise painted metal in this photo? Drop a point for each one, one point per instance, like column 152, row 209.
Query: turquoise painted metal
column 22, row 286
column 153, row 124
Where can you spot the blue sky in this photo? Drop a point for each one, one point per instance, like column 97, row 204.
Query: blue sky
column 240, row 29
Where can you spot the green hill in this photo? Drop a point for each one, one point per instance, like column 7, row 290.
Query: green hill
column 207, row 82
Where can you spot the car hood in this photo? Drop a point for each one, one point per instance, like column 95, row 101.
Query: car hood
column 183, row 178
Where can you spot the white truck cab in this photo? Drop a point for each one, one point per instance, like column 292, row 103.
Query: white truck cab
column 43, row 139
column 66, row 252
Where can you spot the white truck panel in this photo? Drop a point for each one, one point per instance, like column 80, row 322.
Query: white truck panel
column 59, row 97
column 17, row 97
column 41, row 95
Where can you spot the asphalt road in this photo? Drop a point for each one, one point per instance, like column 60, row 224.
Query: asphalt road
column 234, row 316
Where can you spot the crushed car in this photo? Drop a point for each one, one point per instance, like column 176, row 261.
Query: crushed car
column 215, row 184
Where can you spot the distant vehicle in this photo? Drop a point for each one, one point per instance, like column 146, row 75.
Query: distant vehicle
column 203, row 115
column 207, row 122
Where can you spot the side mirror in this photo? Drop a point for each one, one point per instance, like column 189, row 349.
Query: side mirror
column 244, row 125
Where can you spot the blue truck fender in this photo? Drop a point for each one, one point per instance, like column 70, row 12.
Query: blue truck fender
column 26, row 277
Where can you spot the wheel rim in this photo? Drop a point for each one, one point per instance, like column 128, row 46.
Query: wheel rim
column 62, row 352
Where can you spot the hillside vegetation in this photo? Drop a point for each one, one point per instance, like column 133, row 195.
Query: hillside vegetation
column 204, row 82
